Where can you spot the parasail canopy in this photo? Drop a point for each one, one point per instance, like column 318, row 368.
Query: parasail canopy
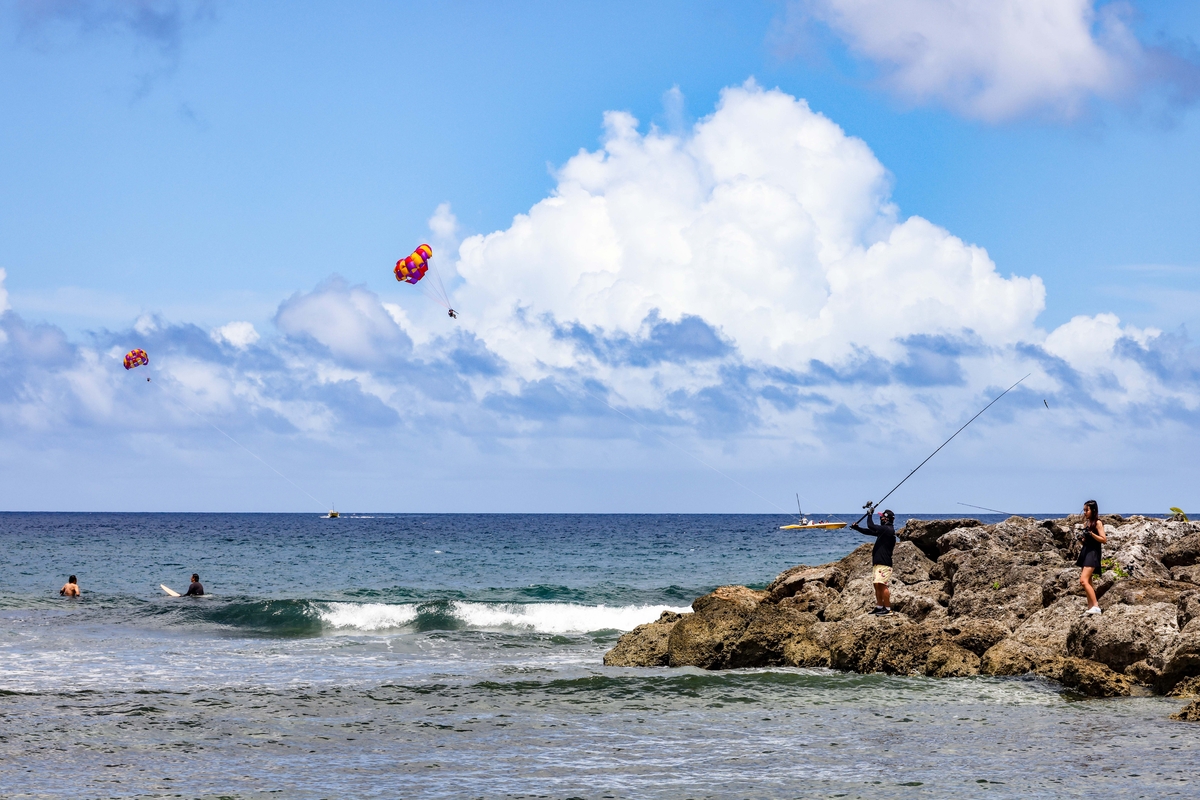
column 413, row 268
column 136, row 358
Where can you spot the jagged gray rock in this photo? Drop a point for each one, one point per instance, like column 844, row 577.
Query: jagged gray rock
column 998, row 599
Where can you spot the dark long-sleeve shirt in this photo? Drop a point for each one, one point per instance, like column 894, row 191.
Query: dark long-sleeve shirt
column 885, row 541
column 195, row 589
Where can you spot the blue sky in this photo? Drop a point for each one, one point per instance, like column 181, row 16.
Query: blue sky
column 228, row 185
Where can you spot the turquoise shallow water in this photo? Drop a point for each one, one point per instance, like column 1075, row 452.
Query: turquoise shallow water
column 459, row 656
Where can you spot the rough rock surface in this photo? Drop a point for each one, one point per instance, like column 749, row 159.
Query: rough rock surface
column 970, row 599
column 1189, row 713
column 645, row 645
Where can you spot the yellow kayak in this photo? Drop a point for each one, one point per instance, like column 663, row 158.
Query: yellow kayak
column 825, row 526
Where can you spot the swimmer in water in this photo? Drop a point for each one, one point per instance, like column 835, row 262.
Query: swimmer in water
column 70, row 588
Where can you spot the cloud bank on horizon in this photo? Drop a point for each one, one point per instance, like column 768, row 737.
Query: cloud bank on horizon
column 996, row 61
column 746, row 288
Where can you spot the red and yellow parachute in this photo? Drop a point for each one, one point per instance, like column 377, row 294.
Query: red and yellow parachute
column 136, row 358
column 412, row 268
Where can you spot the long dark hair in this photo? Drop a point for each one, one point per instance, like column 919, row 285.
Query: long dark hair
column 1091, row 506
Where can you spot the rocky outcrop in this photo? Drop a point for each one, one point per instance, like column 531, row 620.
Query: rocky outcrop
column 645, row 645
column 1189, row 713
column 969, row 599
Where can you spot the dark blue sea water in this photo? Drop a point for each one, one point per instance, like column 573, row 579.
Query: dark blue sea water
column 460, row 656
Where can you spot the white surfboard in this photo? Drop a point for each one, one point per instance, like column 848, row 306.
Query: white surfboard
column 168, row 590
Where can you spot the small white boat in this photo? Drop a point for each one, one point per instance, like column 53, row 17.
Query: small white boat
column 806, row 525
column 331, row 515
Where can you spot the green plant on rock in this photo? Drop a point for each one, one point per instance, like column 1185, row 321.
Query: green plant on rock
column 1177, row 515
column 996, row 584
column 1113, row 566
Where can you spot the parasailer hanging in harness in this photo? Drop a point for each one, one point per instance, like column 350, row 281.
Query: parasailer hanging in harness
column 413, row 269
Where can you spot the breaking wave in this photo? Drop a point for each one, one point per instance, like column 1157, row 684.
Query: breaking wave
column 314, row 617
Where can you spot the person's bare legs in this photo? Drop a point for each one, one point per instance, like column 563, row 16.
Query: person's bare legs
column 883, row 597
column 1085, row 578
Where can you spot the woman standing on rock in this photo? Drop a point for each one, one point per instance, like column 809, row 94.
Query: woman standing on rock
column 1089, row 554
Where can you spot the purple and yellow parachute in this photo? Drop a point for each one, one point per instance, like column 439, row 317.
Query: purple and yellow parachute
column 136, row 358
column 413, row 267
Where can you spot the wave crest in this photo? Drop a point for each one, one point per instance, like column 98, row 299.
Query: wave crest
column 552, row 618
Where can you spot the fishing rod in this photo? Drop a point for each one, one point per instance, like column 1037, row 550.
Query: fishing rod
column 871, row 506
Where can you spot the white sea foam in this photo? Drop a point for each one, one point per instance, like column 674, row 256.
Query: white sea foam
column 534, row 617
column 366, row 616
column 557, row 617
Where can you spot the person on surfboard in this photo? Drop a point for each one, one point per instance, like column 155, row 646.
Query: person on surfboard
column 881, row 557
column 196, row 589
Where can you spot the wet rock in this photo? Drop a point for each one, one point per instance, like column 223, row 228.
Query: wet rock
column 1189, row 687
column 808, row 650
column 1087, row 677
column 948, row 660
column 1125, row 634
column 706, row 637
column 891, row 644
column 1189, row 713
column 763, row 642
column 645, row 645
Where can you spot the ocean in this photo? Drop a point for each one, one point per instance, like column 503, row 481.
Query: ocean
column 393, row 655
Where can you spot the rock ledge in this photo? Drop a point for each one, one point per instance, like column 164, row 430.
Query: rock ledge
column 970, row 599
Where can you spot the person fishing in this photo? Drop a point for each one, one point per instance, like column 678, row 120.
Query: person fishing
column 881, row 557
column 1092, row 538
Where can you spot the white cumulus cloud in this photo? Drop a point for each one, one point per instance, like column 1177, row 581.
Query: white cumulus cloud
column 995, row 59
column 238, row 334
column 766, row 221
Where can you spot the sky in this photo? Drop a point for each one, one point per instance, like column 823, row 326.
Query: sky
column 705, row 256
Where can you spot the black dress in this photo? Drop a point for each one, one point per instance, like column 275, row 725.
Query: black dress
column 1089, row 555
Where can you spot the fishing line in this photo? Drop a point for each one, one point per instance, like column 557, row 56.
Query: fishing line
column 235, row 441
column 985, row 508
column 871, row 506
column 685, row 452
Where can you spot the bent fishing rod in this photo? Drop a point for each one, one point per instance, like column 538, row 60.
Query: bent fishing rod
column 871, row 506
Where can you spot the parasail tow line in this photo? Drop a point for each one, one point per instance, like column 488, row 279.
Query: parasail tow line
column 235, row 441
column 870, row 506
column 685, row 452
